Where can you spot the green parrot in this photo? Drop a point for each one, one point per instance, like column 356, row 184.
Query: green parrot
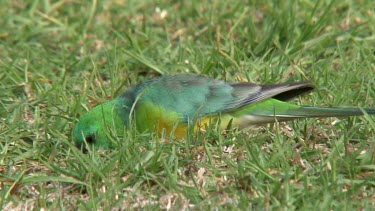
column 170, row 104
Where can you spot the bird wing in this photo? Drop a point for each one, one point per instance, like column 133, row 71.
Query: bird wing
column 191, row 95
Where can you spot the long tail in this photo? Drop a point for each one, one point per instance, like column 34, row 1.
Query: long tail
column 310, row 111
column 270, row 110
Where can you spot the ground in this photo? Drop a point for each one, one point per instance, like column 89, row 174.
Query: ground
column 60, row 58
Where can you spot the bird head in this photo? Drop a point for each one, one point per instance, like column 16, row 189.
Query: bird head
column 98, row 125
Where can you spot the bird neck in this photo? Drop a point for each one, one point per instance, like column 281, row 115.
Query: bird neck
column 119, row 110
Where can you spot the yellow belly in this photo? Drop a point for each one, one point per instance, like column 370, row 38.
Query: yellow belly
column 156, row 119
column 179, row 129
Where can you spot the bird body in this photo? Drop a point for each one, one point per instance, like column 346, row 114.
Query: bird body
column 171, row 103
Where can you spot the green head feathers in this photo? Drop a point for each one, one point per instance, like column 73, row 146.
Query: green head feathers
column 96, row 127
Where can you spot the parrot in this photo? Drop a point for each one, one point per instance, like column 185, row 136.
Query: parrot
column 169, row 104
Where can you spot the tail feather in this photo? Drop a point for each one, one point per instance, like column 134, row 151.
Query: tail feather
column 270, row 110
column 310, row 111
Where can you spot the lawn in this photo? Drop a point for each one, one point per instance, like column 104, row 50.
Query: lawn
column 60, row 58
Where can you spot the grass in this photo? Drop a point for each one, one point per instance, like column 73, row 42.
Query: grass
column 60, row 58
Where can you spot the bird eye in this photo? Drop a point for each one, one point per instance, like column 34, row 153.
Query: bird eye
column 90, row 139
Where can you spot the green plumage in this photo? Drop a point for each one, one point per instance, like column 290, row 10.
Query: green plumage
column 173, row 101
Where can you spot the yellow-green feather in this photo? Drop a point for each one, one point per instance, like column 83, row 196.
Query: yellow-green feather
column 152, row 118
